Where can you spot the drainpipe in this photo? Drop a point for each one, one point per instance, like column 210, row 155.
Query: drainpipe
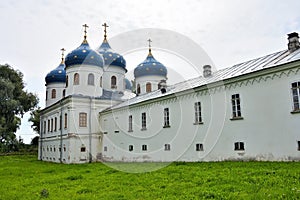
column 90, row 131
column 61, row 131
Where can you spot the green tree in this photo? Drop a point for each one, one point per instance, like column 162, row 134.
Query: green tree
column 14, row 103
column 35, row 120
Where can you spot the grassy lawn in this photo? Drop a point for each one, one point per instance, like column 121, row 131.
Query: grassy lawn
column 23, row 177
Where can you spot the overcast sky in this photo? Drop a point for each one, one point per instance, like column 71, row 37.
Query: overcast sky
column 230, row 31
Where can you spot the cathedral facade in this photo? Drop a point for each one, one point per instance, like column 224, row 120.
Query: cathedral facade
column 249, row 111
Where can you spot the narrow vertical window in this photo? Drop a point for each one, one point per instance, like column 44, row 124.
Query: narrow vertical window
column 113, row 82
column 298, row 142
column 82, row 119
column 138, row 89
column 239, row 146
column 167, row 147
column 130, row 147
column 91, row 79
column 46, row 95
column 48, row 126
column 53, row 94
column 166, row 118
column 60, row 122
column 76, row 79
column 101, row 81
column 55, row 124
column 198, row 115
column 236, row 106
column 64, row 93
column 144, row 147
column 67, row 81
column 45, row 126
column 144, row 121
column 51, row 125
column 199, row 147
column 66, row 120
column 148, row 87
column 105, row 148
column 296, row 96
column 130, row 123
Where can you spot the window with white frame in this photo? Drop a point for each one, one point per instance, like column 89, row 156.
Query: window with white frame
column 199, row 147
column 53, row 94
column 166, row 118
column 91, row 79
column 130, row 147
column 66, row 120
column 130, row 123
column 144, row 122
column 144, row 147
column 236, row 106
column 197, row 109
column 82, row 119
column 76, row 79
column 55, row 124
column 167, row 147
column 298, row 142
column 239, row 146
column 113, row 82
column 296, row 95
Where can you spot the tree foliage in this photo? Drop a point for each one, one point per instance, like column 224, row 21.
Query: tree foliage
column 35, row 120
column 14, row 103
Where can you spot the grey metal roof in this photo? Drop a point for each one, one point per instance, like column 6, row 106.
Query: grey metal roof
column 268, row 61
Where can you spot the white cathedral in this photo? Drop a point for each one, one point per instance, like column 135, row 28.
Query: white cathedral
column 249, row 111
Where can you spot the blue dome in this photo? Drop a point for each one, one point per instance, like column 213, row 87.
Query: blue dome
column 110, row 57
column 128, row 85
column 58, row 75
column 84, row 55
column 150, row 67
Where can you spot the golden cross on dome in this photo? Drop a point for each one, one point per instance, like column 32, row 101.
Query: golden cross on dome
column 105, row 26
column 62, row 54
column 85, row 27
column 149, row 40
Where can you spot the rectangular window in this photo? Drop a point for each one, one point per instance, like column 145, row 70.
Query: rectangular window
column 82, row 119
column 296, row 96
column 167, row 147
column 48, row 126
column 239, row 146
column 144, row 147
column 199, row 147
column 298, row 145
column 143, row 121
column 130, row 147
column 60, row 122
column 236, row 106
column 105, row 148
column 51, row 125
column 66, row 120
column 55, row 124
column 45, row 126
column 130, row 123
column 82, row 149
column 197, row 109
column 166, row 118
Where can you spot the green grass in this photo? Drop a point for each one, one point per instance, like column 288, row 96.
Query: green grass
column 23, row 177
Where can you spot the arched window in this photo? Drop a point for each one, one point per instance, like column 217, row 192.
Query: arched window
column 64, row 93
column 53, row 94
column 138, row 89
column 101, row 81
column 67, row 81
column 91, row 79
column 148, row 87
column 76, row 79
column 113, row 82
